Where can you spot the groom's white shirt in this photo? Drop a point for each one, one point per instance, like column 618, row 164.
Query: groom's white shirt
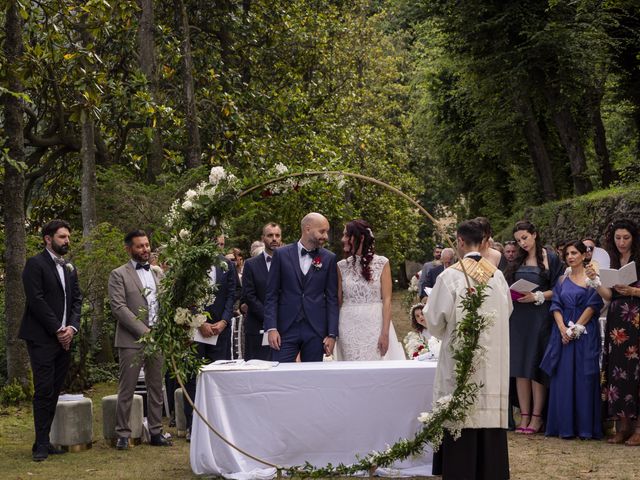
column 305, row 260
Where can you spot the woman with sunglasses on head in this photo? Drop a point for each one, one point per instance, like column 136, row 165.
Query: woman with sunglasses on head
column 530, row 323
column 620, row 360
column 572, row 355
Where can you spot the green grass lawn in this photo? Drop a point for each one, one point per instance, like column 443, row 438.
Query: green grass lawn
column 531, row 457
column 101, row 462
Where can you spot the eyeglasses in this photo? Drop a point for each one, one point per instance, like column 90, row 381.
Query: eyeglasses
column 510, row 242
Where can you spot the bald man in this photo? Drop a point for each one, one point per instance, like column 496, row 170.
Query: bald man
column 301, row 301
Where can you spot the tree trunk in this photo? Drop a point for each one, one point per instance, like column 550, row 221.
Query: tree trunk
column 13, row 207
column 537, row 149
column 600, row 138
column 570, row 139
column 148, row 65
column 191, row 112
column 89, row 221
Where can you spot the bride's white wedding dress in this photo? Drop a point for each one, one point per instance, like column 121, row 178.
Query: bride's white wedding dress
column 361, row 314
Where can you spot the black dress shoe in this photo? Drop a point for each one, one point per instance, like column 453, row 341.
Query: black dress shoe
column 122, row 443
column 54, row 451
column 40, row 453
column 158, row 440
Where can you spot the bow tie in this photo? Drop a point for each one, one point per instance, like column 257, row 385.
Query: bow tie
column 311, row 253
column 268, row 259
column 59, row 261
column 146, row 266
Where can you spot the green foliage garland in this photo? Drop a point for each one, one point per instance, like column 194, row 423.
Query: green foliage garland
column 195, row 221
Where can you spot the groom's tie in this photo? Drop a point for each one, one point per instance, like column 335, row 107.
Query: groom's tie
column 311, row 253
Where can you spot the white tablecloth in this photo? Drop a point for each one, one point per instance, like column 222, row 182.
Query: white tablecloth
column 321, row 412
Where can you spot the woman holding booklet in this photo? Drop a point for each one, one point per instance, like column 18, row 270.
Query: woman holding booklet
column 530, row 323
column 621, row 362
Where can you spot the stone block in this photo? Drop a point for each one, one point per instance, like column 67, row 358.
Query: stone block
column 109, row 404
column 72, row 427
column 181, row 421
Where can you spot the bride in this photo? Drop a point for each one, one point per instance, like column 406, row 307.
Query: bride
column 364, row 295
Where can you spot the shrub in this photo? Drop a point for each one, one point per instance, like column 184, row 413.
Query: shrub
column 12, row 394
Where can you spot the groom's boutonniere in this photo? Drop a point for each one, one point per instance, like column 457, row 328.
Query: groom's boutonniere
column 69, row 266
column 317, row 262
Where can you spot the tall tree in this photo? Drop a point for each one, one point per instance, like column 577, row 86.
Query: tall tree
column 13, row 193
column 148, row 65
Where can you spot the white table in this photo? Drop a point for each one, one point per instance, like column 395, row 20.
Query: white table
column 320, row 412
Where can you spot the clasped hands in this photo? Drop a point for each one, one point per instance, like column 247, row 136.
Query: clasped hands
column 572, row 332
column 65, row 335
column 210, row 329
column 275, row 342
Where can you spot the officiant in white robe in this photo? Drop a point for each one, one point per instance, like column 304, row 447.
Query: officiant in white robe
column 481, row 452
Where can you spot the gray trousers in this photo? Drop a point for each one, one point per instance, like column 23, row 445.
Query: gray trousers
column 131, row 360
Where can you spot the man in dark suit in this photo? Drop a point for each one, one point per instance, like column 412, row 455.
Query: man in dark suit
column 219, row 323
column 301, row 306
column 254, row 287
column 133, row 290
column 51, row 319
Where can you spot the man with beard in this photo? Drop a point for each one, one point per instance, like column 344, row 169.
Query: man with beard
column 510, row 250
column 133, row 289
column 254, row 286
column 51, row 319
column 301, row 302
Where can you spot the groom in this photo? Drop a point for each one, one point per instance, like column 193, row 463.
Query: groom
column 301, row 302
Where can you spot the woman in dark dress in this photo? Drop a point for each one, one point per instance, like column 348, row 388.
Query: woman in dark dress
column 620, row 362
column 572, row 356
column 530, row 323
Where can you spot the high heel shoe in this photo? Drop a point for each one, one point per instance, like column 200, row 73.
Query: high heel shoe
column 533, row 431
column 633, row 440
column 523, row 429
column 619, row 437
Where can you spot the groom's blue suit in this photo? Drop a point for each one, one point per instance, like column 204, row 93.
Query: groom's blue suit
column 303, row 308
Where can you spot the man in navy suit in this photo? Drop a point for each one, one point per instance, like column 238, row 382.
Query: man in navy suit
column 51, row 319
column 254, row 286
column 301, row 305
column 219, row 323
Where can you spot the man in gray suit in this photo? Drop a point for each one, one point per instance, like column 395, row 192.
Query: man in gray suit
column 133, row 293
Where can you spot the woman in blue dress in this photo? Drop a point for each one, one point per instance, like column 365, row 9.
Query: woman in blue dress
column 571, row 358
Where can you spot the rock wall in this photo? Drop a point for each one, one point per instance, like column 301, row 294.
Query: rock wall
column 588, row 215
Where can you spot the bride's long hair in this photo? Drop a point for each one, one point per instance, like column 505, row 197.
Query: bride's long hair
column 361, row 233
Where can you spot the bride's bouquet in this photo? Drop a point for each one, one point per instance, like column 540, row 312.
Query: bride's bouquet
column 419, row 348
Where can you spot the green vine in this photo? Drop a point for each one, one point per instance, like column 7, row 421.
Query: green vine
column 196, row 220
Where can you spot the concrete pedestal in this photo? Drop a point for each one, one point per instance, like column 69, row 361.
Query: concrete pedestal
column 181, row 421
column 72, row 427
column 109, row 404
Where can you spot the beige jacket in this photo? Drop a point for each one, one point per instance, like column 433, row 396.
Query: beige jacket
column 129, row 305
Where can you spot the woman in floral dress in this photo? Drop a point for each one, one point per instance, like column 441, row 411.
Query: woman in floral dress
column 621, row 363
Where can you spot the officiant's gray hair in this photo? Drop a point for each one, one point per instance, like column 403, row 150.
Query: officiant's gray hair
column 310, row 218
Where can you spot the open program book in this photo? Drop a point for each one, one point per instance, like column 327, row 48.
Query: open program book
column 625, row 276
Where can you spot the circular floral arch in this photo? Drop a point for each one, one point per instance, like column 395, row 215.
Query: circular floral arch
column 194, row 221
